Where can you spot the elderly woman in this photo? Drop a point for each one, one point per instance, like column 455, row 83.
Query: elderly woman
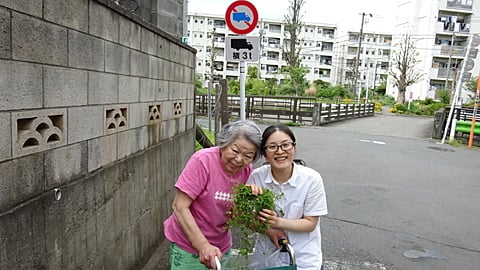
column 197, row 227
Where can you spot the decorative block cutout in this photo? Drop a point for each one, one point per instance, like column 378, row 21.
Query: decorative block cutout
column 37, row 131
column 154, row 113
column 115, row 119
column 177, row 109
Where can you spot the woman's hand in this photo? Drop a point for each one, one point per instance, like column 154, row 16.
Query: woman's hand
column 275, row 235
column 207, row 255
column 255, row 189
column 269, row 217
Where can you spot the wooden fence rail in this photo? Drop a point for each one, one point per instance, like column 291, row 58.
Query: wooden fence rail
column 301, row 110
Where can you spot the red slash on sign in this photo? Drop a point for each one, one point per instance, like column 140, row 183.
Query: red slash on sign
column 241, row 17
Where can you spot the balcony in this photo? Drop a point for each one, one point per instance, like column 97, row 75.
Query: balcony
column 452, row 27
column 460, row 4
column 442, row 73
column 446, row 50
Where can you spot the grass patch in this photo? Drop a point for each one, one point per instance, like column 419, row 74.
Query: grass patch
column 210, row 135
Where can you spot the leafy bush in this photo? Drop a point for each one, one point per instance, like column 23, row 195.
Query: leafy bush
column 418, row 107
column 292, row 124
column 399, row 108
column 428, row 109
column 444, row 96
column 428, row 101
column 386, row 100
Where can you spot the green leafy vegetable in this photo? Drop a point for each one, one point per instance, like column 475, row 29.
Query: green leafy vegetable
column 244, row 214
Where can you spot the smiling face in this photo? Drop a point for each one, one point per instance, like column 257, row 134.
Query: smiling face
column 279, row 150
column 237, row 155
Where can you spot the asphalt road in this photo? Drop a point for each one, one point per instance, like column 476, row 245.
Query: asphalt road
column 396, row 198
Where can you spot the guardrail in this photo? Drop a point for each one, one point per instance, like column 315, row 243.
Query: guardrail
column 300, row 110
column 465, row 127
column 463, row 115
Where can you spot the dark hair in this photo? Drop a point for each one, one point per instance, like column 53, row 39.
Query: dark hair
column 246, row 129
column 270, row 130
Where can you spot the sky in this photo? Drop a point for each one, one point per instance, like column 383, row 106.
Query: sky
column 346, row 13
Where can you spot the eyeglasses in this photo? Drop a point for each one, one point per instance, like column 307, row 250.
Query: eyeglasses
column 272, row 148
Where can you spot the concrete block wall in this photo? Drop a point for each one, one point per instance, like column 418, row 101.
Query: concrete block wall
column 96, row 123
column 168, row 14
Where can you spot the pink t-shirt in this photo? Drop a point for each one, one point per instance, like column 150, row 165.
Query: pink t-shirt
column 205, row 182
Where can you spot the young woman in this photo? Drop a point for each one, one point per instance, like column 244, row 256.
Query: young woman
column 197, row 226
column 298, row 212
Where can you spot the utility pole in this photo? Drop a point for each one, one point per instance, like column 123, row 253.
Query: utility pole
column 375, row 77
column 261, row 32
column 210, row 84
column 357, row 61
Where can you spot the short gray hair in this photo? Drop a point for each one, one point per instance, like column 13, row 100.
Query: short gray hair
column 246, row 129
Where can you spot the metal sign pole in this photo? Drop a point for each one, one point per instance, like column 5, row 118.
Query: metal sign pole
column 241, row 18
column 242, row 90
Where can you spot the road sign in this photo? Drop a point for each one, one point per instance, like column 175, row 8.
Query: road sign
column 242, row 48
column 241, row 17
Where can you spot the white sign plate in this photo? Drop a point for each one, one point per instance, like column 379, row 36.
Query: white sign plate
column 242, row 48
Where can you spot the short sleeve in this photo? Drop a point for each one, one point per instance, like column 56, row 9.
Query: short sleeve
column 316, row 201
column 194, row 177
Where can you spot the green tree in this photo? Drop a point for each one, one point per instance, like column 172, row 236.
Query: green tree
column 296, row 80
column 471, row 87
column 256, row 87
column 272, row 86
column 198, row 81
column 319, row 84
column 444, row 95
column 332, row 92
column 381, row 89
column 233, row 87
column 252, row 72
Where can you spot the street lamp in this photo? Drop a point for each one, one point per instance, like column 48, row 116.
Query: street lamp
column 357, row 62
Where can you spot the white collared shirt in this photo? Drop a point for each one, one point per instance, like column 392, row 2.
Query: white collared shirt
column 303, row 195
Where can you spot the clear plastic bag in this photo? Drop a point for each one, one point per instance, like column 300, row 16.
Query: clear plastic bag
column 254, row 261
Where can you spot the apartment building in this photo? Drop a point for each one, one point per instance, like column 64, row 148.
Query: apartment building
column 208, row 32
column 374, row 63
column 441, row 31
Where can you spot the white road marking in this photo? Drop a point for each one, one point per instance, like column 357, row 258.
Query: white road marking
column 374, row 142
